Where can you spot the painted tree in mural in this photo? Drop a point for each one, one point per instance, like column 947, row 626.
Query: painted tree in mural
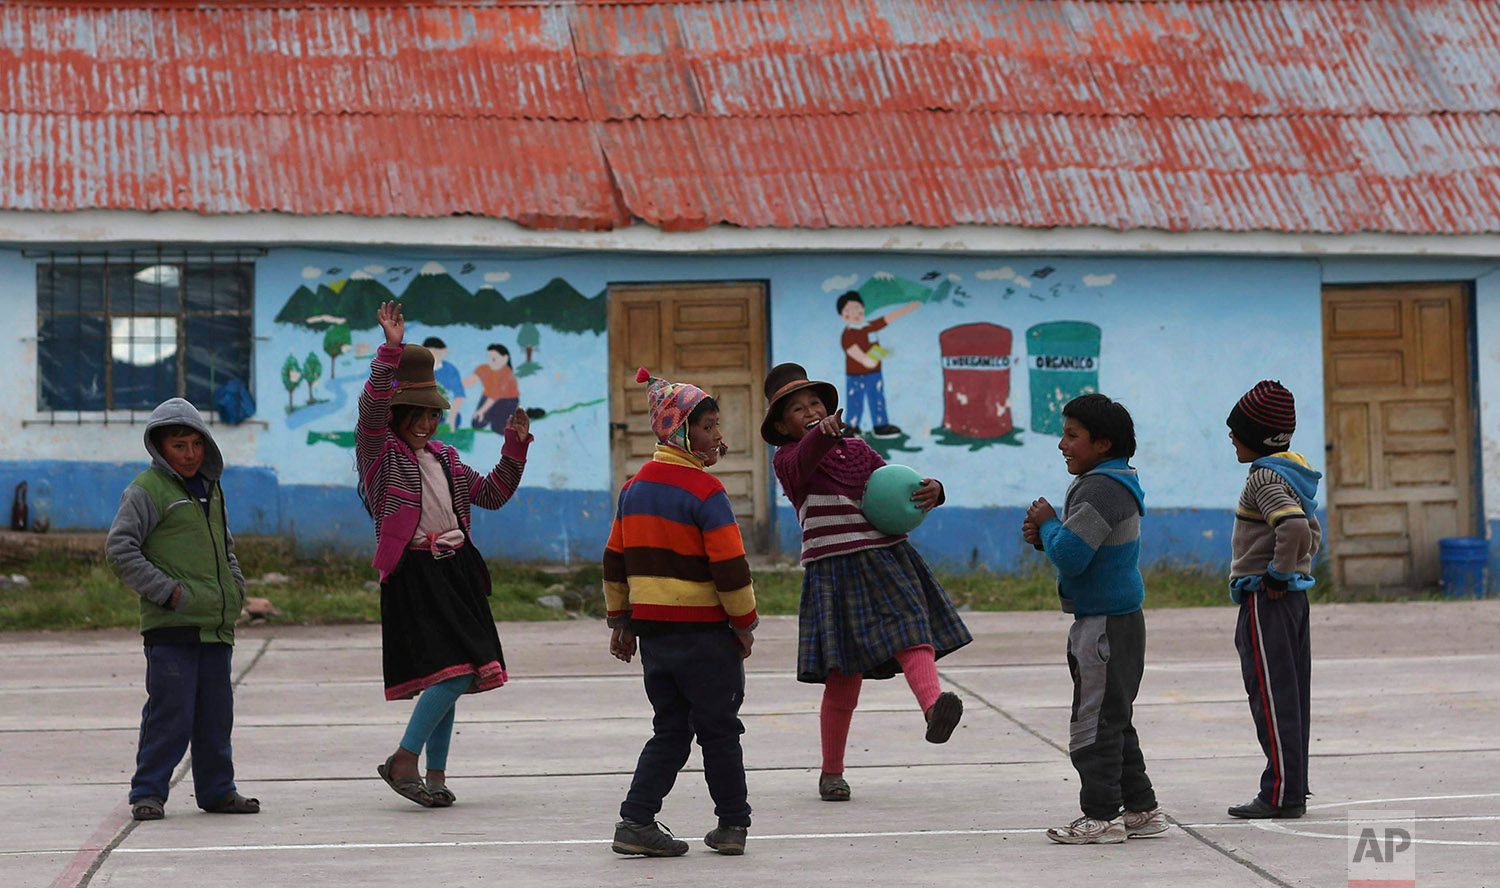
column 335, row 342
column 528, row 338
column 312, row 371
column 291, row 376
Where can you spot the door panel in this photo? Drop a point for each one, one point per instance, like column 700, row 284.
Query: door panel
column 1399, row 430
column 714, row 336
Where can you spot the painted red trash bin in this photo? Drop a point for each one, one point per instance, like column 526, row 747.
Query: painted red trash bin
column 976, row 380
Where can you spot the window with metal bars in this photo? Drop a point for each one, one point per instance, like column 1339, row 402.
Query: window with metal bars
column 125, row 331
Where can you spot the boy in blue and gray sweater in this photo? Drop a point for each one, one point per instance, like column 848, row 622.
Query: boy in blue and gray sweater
column 1096, row 548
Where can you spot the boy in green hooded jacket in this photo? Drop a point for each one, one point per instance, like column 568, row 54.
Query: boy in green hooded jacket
column 170, row 543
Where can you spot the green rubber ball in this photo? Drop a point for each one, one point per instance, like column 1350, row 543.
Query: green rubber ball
column 888, row 503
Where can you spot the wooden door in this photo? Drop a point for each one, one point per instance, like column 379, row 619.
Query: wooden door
column 714, row 336
column 1400, row 434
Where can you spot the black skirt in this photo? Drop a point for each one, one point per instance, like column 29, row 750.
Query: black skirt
column 435, row 624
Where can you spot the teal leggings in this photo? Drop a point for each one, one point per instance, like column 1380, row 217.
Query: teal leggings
column 431, row 722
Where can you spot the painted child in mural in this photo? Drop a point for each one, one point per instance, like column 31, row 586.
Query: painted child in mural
column 870, row 605
column 1096, row 546
column 502, row 392
column 183, row 567
column 1276, row 535
column 676, row 578
column 863, row 355
column 449, row 377
column 438, row 636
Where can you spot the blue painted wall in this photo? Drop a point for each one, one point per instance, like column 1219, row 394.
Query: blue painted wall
column 1179, row 339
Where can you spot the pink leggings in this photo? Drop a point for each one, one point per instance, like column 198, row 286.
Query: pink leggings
column 841, row 695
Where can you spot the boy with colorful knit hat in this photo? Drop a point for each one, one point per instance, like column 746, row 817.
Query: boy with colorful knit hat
column 1276, row 536
column 676, row 579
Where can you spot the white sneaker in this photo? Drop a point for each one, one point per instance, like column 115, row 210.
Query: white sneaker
column 1139, row 824
column 1088, row 831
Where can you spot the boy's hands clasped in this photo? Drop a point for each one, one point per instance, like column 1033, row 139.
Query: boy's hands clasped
column 1038, row 514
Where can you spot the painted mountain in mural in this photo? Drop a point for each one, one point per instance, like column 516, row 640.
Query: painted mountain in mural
column 434, row 298
column 302, row 305
column 359, row 299
column 559, row 305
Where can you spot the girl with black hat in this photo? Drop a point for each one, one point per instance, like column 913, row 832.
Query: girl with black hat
column 437, row 633
column 870, row 606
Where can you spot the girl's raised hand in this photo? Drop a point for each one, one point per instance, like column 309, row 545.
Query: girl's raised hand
column 520, row 423
column 833, row 425
column 392, row 322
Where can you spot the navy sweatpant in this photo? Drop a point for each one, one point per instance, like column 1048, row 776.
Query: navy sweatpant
column 1276, row 660
column 189, row 702
column 696, row 683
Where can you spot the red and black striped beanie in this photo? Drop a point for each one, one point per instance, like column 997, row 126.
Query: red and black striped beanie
column 1265, row 418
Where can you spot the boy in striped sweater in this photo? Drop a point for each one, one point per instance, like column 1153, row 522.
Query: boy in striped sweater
column 676, row 581
column 1276, row 535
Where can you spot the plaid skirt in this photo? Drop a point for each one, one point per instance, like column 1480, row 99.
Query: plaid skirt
column 859, row 609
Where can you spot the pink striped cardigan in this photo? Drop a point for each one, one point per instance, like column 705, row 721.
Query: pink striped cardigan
column 393, row 482
column 825, row 477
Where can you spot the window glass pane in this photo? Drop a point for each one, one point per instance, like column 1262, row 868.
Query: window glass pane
column 143, row 289
column 143, row 352
column 218, row 287
column 218, row 350
column 70, row 363
column 69, row 288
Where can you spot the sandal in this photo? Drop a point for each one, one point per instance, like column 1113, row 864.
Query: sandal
column 234, row 803
column 442, row 796
column 148, row 809
column 407, row 787
column 833, row 788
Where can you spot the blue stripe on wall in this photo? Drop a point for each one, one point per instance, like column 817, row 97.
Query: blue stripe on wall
column 572, row 525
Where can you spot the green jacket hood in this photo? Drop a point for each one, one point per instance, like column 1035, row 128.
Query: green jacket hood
column 176, row 411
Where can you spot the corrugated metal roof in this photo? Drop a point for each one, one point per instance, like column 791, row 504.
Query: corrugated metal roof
column 1295, row 115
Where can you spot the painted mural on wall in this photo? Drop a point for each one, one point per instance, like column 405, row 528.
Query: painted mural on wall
column 978, row 357
column 490, row 348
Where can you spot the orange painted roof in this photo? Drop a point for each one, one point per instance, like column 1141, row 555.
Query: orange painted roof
column 1279, row 115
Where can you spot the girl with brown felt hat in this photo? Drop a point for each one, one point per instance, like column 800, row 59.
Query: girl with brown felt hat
column 870, row 605
column 437, row 633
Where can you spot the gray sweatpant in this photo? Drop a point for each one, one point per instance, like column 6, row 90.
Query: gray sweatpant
column 1106, row 657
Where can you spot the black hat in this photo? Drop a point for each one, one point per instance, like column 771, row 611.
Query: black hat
column 783, row 380
column 1265, row 418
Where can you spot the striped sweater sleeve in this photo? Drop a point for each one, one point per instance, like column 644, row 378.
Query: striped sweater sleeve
column 495, row 489
column 616, row 581
column 1282, row 510
column 1098, row 505
column 375, row 408
column 727, row 563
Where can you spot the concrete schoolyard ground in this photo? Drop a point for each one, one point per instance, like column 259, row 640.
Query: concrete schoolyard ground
column 1405, row 706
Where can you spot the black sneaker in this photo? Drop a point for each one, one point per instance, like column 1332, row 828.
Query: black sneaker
column 886, row 431
column 727, row 839
column 1260, row 809
column 649, row 839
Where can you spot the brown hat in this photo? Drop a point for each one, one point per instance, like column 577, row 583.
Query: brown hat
column 782, row 381
column 415, row 383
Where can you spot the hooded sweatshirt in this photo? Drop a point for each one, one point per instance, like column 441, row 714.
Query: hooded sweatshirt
column 167, row 535
column 1096, row 545
column 1276, row 529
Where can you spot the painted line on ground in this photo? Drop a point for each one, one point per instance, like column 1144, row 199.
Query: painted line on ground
column 86, row 863
column 1269, row 826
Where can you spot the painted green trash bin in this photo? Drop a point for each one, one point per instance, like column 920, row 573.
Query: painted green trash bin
column 1064, row 362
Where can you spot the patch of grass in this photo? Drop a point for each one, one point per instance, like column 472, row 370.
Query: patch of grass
column 79, row 591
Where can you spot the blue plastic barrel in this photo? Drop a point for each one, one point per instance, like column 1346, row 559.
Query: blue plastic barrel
column 1463, row 560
